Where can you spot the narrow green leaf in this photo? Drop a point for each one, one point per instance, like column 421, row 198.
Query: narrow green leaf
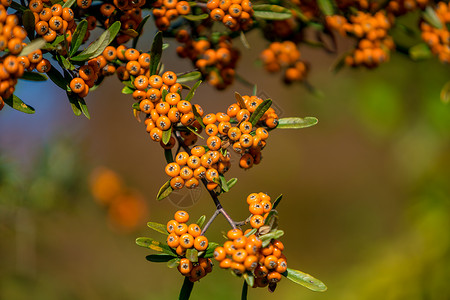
column 197, row 116
column 69, row 3
column 191, row 76
column 16, row 103
column 164, row 191
column 269, row 219
column 165, row 46
column 195, row 17
column 210, row 250
column 28, row 23
column 150, row 243
column 306, row 280
column 65, row 63
column 57, row 78
column 192, row 91
column 33, row 76
column 244, row 40
column 192, row 254
column 156, row 53
column 223, row 183
column 420, row 51
column 174, row 262
column 445, row 93
column 255, row 90
column 249, row 279
column 430, row 16
column 326, row 7
column 127, row 90
column 253, row 231
column 33, row 46
column 186, row 289
column 296, row 123
column 239, row 100
column 271, row 12
column 168, row 155
column 17, row 6
column 231, row 182
column 259, row 111
column 244, row 291
column 166, row 136
column 161, row 228
column 73, row 99
column 78, row 36
column 159, row 257
column 135, row 106
column 97, row 47
column 139, row 30
column 83, row 107
column 194, row 131
column 274, row 234
column 201, row 221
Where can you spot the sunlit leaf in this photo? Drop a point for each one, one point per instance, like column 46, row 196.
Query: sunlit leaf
column 161, row 228
column 326, row 7
column 73, row 99
column 271, row 12
column 69, row 3
column 164, row 191
column 306, row 280
column 16, row 103
column 166, row 136
column 127, row 90
column 239, row 100
column 78, row 36
column 429, row 15
column 196, row 17
column 201, row 221
column 210, row 251
column 420, row 51
column 197, row 116
column 33, row 46
column 191, row 76
column 83, row 107
column 249, row 279
column 174, row 262
column 296, row 123
column 223, row 183
column 192, row 254
column 231, row 182
column 150, row 243
column 259, row 111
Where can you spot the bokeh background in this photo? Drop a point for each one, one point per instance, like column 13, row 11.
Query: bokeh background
column 366, row 204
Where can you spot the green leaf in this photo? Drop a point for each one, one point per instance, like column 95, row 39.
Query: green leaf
column 33, row 76
column 161, row 228
column 135, row 106
column 244, row 291
column 277, row 201
column 210, row 251
column 271, row 12
column 253, row 231
column 269, row 219
column 194, row 131
column 130, row 32
column 326, row 7
column 174, row 262
column 97, row 47
column 65, row 63
column 306, row 280
column 259, row 111
column 33, row 46
column 165, row 46
column 195, row 17
column 159, row 257
column 191, row 76
column 156, row 53
column 201, row 221
column 168, row 155
column 223, row 183
column 274, row 234
column 83, row 107
column 78, row 36
column 139, row 30
column 17, row 6
column 73, row 99
column 57, row 78
column 164, row 191
column 430, row 16
column 239, row 100
column 69, row 3
column 192, row 91
column 192, row 254
column 231, row 182
column 249, row 279
column 296, row 123
column 150, row 243
column 127, row 90
column 16, row 103
column 420, row 51
column 166, row 136
column 186, row 289
column 244, row 40
column 445, row 93
column 28, row 23
column 197, row 116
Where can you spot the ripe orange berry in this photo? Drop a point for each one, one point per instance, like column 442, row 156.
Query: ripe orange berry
column 201, row 243
column 281, row 265
column 176, row 182
column 240, row 255
column 256, row 221
column 171, row 225
column 163, row 123
column 261, row 271
column 181, row 216
column 212, row 175
column 225, row 263
column 234, row 133
column 240, row 242
column 173, row 98
column 185, row 266
column 219, row 253
column 77, row 85
column 173, row 240
column 235, row 233
column 238, row 268
column 274, row 276
column 194, row 230
column 198, row 271
column 186, row 173
column 169, row 78
column 246, row 161
column 173, row 170
column 181, row 158
column 186, row 240
column 191, row 183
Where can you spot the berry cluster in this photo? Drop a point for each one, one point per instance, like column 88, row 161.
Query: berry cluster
column 235, row 14
column 438, row 39
column 244, row 253
column 53, row 21
column 213, row 160
column 182, row 237
column 284, row 55
column 166, row 11
column 374, row 43
column 401, row 7
column 259, row 206
column 216, row 62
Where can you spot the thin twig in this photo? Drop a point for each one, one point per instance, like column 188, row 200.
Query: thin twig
column 216, row 213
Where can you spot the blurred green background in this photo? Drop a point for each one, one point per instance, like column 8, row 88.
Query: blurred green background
column 366, row 204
